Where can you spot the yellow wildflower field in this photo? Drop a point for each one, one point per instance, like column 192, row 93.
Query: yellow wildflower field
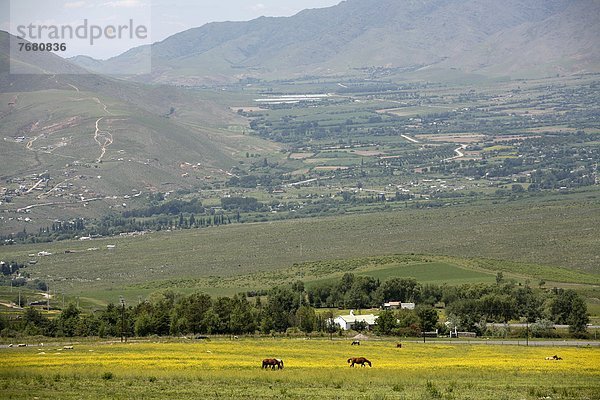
column 314, row 368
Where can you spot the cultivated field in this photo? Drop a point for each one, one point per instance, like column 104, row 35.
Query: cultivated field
column 313, row 369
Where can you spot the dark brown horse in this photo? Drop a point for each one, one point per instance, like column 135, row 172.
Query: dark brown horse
column 358, row 360
column 272, row 363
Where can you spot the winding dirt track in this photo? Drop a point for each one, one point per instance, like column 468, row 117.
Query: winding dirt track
column 103, row 138
column 459, row 153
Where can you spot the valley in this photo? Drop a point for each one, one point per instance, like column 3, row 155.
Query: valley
column 331, row 155
column 352, row 150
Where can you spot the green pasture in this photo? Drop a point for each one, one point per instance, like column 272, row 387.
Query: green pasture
column 434, row 272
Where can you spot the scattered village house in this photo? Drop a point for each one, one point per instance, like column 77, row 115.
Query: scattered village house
column 347, row 322
column 394, row 305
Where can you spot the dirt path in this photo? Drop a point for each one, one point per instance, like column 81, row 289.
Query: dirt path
column 103, row 138
column 410, row 139
column 38, row 183
column 10, row 305
column 54, row 188
column 459, row 153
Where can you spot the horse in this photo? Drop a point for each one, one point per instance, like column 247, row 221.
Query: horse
column 398, row 345
column 554, row 357
column 272, row 363
column 356, row 342
column 359, row 360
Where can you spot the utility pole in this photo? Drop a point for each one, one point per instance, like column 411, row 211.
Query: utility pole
column 122, row 301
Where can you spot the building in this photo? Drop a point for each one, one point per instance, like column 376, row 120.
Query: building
column 347, row 322
column 394, row 305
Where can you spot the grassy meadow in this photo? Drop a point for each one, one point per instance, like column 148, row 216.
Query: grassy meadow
column 562, row 234
column 314, row 368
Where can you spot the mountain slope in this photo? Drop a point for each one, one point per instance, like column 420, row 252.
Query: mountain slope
column 67, row 139
column 475, row 36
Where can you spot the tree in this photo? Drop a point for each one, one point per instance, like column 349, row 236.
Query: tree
column 356, row 296
column 465, row 314
column 242, row 318
column 223, row 307
column 68, row 320
column 143, row 325
column 568, row 307
column 330, row 326
column 346, row 282
column 360, row 326
column 210, row 322
column 578, row 317
column 542, row 328
column 33, row 322
column 189, row 313
column 34, row 317
column 109, row 321
column 298, row 286
column 428, row 318
column 386, row 322
column 280, row 308
column 306, row 318
column 89, row 325
column 516, row 188
column 496, row 307
column 398, row 289
column 528, row 304
column 407, row 319
column 3, row 322
column 499, row 278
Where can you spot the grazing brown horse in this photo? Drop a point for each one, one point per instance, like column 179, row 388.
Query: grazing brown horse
column 358, row 360
column 272, row 363
column 554, row 357
column 356, row 343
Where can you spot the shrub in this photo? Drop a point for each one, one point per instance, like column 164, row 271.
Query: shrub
column 107, row 376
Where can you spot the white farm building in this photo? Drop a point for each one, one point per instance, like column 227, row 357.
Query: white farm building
column 346, row 322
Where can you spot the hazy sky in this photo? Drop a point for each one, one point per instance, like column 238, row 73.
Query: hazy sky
column 162, row 17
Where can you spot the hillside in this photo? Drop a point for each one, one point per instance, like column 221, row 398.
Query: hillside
column 71, row 140
column 484, row 37
column 520, row 240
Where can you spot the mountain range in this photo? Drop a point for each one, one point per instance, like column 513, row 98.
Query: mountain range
column 515, row 38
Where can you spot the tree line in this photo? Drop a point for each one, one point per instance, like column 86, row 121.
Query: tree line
column 468, row 307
